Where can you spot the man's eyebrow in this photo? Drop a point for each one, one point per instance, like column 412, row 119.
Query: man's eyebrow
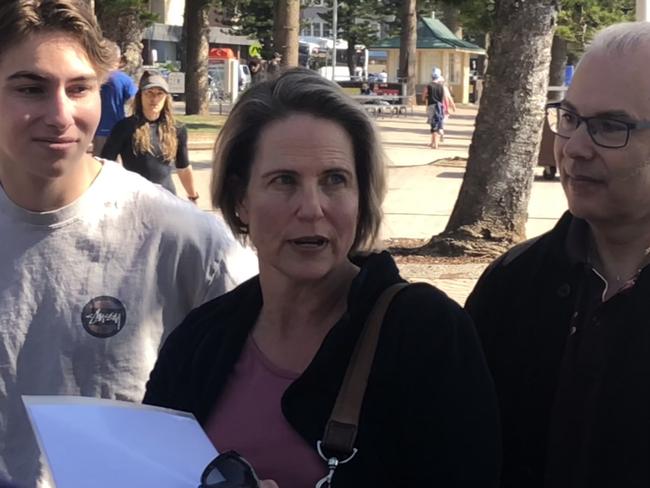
column 26, row 74
column 29, row 75
column 616, row 114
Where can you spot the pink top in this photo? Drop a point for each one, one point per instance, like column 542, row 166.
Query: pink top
column 248, row 418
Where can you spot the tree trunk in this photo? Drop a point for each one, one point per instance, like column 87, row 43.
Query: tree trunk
column 351, row 54
column 287, row 24
column 280, row 13
column 558, row 65
column 491, row 211
column 197, row 46
column 125, row 28
column 407, row 50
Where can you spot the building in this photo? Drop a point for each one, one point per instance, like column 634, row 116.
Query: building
column 438, row 47
column 162, row 39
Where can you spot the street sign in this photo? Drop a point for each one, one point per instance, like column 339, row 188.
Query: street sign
column 255, row 50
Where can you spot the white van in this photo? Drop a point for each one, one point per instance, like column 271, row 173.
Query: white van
column 342, row 73
column 244, row 76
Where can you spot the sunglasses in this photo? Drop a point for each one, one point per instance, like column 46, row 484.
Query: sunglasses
column 229, row 470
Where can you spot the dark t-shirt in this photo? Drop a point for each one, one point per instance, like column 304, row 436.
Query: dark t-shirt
column 152, row 166
column 435, row 93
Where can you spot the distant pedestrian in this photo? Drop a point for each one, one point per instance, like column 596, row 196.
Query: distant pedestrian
column 383, row 76
column 273, row 66
column 115, row 93
column 433, row 98
column 256, row 67
column 448, row 104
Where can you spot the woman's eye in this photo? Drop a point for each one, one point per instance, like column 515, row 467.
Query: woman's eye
column 283, row 180
column 336, row 179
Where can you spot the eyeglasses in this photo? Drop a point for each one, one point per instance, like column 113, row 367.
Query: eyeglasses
column 604, row 131
column 229, row 470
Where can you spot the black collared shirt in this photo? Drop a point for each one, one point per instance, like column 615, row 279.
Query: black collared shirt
column 592, row 344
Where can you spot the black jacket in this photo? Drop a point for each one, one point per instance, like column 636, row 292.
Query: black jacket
column 575, row 405
column 429, row 416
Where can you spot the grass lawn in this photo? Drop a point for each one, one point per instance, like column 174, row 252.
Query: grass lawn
column 202, row 126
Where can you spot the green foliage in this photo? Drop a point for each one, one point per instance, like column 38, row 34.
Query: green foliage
column 357, row 20
column 391, row 8
column 579, row 20
column 118, row 8
column 252, row 18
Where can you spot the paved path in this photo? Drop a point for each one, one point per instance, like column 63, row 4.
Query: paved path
column 421, row 194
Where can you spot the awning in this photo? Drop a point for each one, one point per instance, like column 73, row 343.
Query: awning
column 432, row 34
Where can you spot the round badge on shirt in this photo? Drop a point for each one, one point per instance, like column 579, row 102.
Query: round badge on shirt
column 103, row 316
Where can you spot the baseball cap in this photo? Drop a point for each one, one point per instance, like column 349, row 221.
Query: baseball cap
column 152, row 80
column 436, row 73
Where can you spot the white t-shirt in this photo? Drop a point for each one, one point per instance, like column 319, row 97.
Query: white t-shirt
column 89, row 292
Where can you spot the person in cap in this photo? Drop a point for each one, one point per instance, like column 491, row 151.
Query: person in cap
column 150, row 141
column 565, row 318
column 433, row 97
column 97, row 264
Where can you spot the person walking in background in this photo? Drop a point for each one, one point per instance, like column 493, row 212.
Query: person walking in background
column 97, row 264
column 150, row 140
column 256, row 67
column 565, row 317
column 448, row 104
column 115, row 93
column 433, row 97
column 273, row 67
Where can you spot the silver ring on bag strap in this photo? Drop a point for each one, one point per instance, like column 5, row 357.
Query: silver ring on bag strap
column 341, row 428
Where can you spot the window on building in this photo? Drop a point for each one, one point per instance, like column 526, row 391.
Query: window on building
column 316, row 29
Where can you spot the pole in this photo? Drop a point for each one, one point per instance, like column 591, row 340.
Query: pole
column 335, row 28
column 643, row 10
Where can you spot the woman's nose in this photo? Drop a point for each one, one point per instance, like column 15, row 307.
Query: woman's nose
column 310, row 206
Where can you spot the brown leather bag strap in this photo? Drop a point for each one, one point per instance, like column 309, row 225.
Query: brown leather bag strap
column 341, row 429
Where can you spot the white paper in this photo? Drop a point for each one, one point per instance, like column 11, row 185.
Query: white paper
column 90, row 442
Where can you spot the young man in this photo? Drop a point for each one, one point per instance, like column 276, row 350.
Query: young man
column 97, row 265
column 116, row 91
column 565, row 318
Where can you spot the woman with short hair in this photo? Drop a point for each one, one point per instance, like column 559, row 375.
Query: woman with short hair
column 298, row 171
